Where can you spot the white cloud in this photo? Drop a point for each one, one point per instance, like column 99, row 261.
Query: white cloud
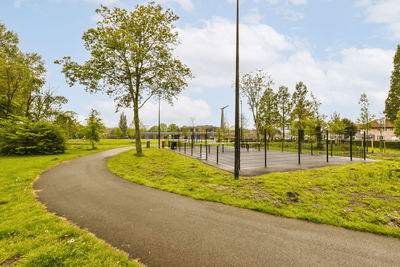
column 210, row 52
column 384, row 12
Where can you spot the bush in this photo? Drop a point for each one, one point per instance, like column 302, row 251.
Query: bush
column 20, row 137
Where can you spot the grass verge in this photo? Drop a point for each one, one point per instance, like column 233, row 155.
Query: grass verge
column 364, row 197
column 31, row 236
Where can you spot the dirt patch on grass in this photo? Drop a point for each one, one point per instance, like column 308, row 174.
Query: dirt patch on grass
column 293, row 197
column 262, row 196
column 3, row 202
column 11, row 261
column 393, row 221
column 224, row 188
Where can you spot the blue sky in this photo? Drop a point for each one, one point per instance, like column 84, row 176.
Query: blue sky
column 339, row 49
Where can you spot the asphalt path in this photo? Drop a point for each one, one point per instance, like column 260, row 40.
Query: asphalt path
column 164, row 229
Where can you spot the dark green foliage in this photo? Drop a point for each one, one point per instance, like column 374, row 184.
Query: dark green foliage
column 392, row 104
column 397, row 125
column 20, row 137
column 123, row 125
column 350, row 127
column 301, row 112
column 95, row 127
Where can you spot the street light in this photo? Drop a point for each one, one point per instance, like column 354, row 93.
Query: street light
column 237, row 128
column 159, row 123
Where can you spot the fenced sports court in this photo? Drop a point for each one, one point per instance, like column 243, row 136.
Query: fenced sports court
column 265, row 157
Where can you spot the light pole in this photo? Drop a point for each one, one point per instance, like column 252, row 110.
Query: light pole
column 241, row 121
column 159, row 123
column 237, row 129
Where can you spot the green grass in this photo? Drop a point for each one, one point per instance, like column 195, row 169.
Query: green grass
column 364, row 197
column 31, row 236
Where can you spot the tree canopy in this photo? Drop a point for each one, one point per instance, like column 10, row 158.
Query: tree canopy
column 131, row 58
column 392, row 103
column 366, row 117
column 253, row 86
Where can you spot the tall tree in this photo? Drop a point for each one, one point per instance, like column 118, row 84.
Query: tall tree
column 46, row 105
column 252, row 86
column 392, row 103
column 131, row 58
column 350, row 127
column 397, row 125
column 69, row 123
column 163, row 127
column 269, row 114
column 336, row 124
column 366, row 117
column 21, row 76
column 173, row 128
column 302, row 106
column 94, row 128
column 317, row 120
column 284, row 107
column 123, row 124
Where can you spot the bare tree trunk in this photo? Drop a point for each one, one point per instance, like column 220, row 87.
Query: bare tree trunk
column 257, row 130
column 137, row 127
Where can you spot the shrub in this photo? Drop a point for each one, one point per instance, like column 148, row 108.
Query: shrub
column 21, row 137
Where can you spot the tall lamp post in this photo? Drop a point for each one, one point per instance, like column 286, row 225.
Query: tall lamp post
column 237, row 128
column 241, row 121
column 159, row 123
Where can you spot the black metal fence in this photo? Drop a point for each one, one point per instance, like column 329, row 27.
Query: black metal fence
column 302, row 149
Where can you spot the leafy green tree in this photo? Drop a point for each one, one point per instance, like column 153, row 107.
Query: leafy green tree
column 350, row 128
column 123, row 125
column 69, row 123
column 316, row 122
column 143, row 127
column 269, row 113
column 397, row 125
column 163, row 127
column 154, row 129
column 131, row 132
column 284, row 107
column 218, row 134
column 8, row 40
column 131, row 58
column 94, row 128
column 21, row 76
column 46, row 105
column 366, row 117
column 392, row 103
column 336, row 124
column 173, row 128
column 185, row 132
column 252, row 86
column 118, row 132
column 301, row 111
column 20, row 136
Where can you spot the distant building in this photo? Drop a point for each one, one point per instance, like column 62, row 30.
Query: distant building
column 384, row 128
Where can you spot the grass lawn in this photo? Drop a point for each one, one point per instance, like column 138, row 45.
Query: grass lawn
column 364, row 197
column 31, row 236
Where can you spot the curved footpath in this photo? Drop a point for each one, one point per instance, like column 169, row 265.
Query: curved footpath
column 164, row 229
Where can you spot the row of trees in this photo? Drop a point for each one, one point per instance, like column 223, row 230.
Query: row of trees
column 282, row 110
